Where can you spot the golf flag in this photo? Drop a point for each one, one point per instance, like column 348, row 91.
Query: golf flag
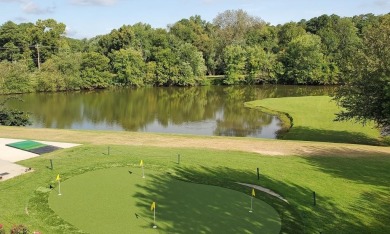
column 141, row 163
column 153, row 206
column 253, row 195
column 59, row 184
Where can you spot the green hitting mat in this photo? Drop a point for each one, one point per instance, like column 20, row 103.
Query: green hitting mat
column 33, row 147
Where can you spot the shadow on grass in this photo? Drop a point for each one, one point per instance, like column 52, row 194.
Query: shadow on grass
column 310, row 134
column 189, row 218
column 377, row 204
column 367, row 170
column 300, row 216
column 374, row 202
column 341, row 151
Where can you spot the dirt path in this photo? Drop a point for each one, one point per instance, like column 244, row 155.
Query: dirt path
column 261, row 146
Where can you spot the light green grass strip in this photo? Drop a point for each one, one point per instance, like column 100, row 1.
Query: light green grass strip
column 313, row 120
column 26, row 145
column 115, row 201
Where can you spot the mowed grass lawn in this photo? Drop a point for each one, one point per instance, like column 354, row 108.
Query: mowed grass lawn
column 352, row 192
column 313, row 120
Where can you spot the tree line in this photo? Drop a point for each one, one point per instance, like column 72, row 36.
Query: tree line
column 242, row 49
column 235, row 47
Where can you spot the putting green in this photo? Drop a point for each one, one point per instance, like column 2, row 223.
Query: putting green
column 115, row 201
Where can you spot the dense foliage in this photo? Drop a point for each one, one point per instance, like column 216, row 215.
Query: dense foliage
column 238, row 47
column 366, row 95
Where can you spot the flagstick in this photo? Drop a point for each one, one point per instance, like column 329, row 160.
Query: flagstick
column 143, row 174
column 251, row 204
column 154, row 218
column 59, row 187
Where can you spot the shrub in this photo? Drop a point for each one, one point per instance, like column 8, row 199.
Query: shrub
column 19, row 229
column 2, row 231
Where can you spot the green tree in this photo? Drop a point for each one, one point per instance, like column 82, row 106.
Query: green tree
column 340, row 40
column 129, row 66
column 166, row 69
column 15, row 78
column 233, row 25
column 15, row 40
column 288, row 32
column 304, row 61
column 59, row 73
column 231, row 28
column 261, row 66
column 363, row 21
column 117, row 39
column 192, row 65
column 46, row 36
column 263, row 35
column 235, row 60
column 366, row 95
column 11, row 52
column 318, row 23
column 94, row 71
column 200, row 34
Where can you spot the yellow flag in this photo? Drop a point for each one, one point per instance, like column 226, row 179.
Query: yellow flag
column 253, row 192
column 153, row 206
column 58, row 177
column 141, row 163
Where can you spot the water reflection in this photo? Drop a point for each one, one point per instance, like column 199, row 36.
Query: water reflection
column 210, row 110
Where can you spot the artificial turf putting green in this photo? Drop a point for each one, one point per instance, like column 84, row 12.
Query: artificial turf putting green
column 115, row 201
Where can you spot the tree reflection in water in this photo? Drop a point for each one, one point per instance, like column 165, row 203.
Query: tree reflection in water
column 206, row 110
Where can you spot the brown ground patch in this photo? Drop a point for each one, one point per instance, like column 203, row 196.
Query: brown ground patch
column 261, row 146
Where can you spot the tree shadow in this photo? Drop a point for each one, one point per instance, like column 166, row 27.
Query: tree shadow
column 300, row 216
column 341, row 151
column 163, row 189
column 374, row 202
column 321, row 135
column 366, row 170
column 378, row 205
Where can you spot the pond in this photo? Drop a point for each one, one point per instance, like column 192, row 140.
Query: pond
column 205, row 110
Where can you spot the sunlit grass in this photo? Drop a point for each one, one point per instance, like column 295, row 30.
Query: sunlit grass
column 350, row 192
column 313, row 120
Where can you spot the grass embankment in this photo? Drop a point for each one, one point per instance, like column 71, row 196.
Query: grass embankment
column 313, row 120
column 261, row 146
column 352, row 193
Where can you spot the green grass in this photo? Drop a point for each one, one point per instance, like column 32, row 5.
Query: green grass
column 313, row 120
column 352, row 193
column 107, row 201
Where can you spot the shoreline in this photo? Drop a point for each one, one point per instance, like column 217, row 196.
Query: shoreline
column 270, row 147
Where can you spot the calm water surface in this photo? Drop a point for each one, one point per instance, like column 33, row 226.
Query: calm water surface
column 210, row 110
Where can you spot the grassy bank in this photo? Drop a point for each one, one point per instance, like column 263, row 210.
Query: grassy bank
column 351, row 192
column 313, row 120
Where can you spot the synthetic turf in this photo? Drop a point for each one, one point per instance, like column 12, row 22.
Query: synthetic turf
column 117, row 201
